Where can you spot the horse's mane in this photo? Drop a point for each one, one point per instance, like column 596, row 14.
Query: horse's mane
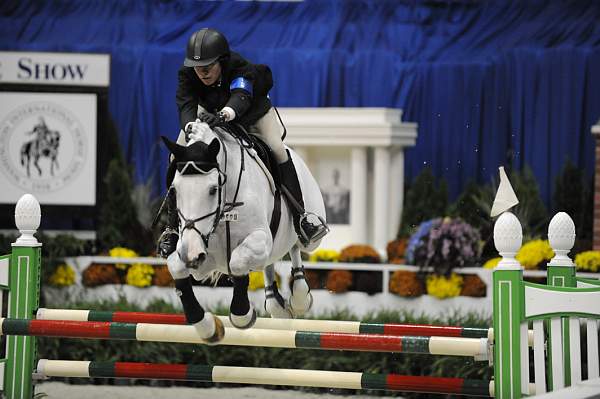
column 205, row 135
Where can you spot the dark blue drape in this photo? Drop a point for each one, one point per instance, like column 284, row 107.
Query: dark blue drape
column 490, row 83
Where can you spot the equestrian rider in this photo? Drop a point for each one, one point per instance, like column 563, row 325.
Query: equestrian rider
column 217, row 85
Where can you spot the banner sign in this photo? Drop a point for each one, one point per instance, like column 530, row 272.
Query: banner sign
column 68, row 69
column 48, row 147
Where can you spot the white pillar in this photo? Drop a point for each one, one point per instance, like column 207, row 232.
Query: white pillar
column 381, row 198
column 396, row 190
column 358, row 195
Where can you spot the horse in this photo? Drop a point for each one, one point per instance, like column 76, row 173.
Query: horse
column 41, row 146
column 225, row 201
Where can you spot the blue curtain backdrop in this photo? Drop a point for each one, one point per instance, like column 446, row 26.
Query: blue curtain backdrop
column 489, row 82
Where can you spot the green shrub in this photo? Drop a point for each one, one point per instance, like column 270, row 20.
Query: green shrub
column 426, row 198
column 118, row 222
column 573, row 195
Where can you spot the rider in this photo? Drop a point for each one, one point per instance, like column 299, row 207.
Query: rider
column 217, row 85
column 41, row 131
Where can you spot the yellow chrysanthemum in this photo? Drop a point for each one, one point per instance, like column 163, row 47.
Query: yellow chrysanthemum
column 139, row 275
column 444, row 287
column 120, row 252
column 325, row 255
column 63, row 276
column 588, row 261
column 534, row 252
column 492, row 263
column 257, row 281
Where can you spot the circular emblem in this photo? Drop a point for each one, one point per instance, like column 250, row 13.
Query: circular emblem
column 43, row 146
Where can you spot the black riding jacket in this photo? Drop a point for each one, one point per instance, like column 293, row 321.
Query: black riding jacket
column 191, row 92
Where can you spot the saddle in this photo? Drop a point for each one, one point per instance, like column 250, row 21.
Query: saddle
column 257, row 149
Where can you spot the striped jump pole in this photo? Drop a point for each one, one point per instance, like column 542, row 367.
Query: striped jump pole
column 263, row 376
column 352, row 327
column 454, row 346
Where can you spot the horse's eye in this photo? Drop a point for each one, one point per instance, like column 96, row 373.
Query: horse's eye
column 213, row 190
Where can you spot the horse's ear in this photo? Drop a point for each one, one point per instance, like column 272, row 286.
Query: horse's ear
column 173, row 147
column 214, row 147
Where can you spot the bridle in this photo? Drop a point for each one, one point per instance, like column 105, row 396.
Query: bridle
column 203, row 167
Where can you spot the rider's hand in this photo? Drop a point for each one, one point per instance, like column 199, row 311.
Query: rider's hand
column 211, row 120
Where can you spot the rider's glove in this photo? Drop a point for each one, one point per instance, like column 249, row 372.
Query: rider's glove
column 211, row 120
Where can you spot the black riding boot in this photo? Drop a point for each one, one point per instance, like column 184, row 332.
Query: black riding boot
column 167, row 243
column 307, row 231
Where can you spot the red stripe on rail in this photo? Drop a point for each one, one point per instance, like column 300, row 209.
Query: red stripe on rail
column 143, row 370
column 424, row 384
column 361, row 342
column 73, row 329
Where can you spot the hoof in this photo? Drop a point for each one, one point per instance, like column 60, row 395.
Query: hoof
column 301, row 306
column 245, row 321
column 214, row 326
column 276, row 311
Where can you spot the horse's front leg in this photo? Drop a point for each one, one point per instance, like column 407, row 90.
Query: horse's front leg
column 251, row 254
column 275, row 305
column 209, row 327
column 37, row 166
column 301, row 299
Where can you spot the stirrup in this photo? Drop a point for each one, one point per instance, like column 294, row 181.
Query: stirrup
column 321, row 229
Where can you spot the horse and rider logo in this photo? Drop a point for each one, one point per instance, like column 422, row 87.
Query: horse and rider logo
column 46, row 143
column 42, row 146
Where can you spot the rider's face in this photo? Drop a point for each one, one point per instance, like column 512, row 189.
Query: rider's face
column 209, row 75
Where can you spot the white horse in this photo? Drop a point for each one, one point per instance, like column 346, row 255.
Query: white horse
column 219, row 180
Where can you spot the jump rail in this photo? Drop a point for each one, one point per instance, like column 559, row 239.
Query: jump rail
column 453, row 346
column 555, row 312
column 351, row 327
column 264, row 376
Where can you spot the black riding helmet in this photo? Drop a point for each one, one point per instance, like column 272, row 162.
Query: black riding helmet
column 205, row 47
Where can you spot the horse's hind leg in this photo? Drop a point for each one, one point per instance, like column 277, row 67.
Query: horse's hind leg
column 301, row 299
column 209, row 327
column 241, row 313
column 275, row 305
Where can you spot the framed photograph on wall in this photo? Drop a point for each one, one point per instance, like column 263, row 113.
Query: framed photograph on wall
column 334, row 170
column 48, row 147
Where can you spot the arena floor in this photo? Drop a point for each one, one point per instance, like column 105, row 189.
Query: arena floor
column 59, row 390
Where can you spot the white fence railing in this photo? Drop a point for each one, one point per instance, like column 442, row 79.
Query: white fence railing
column 282, row 268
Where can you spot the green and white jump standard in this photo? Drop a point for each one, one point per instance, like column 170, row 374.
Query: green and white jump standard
column 518, row 303
column 20, row 277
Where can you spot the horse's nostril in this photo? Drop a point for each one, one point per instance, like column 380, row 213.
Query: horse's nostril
column 201, row 258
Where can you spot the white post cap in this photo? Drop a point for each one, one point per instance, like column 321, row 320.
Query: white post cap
column 27, row 219
column 508, row 237
column 561, row 235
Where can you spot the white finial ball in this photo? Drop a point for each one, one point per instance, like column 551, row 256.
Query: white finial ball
column 508, row 233
column 561, row 232
column 28, row 213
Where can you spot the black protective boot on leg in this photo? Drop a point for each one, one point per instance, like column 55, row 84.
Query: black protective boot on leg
column 167, row 242
column 307, row 231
